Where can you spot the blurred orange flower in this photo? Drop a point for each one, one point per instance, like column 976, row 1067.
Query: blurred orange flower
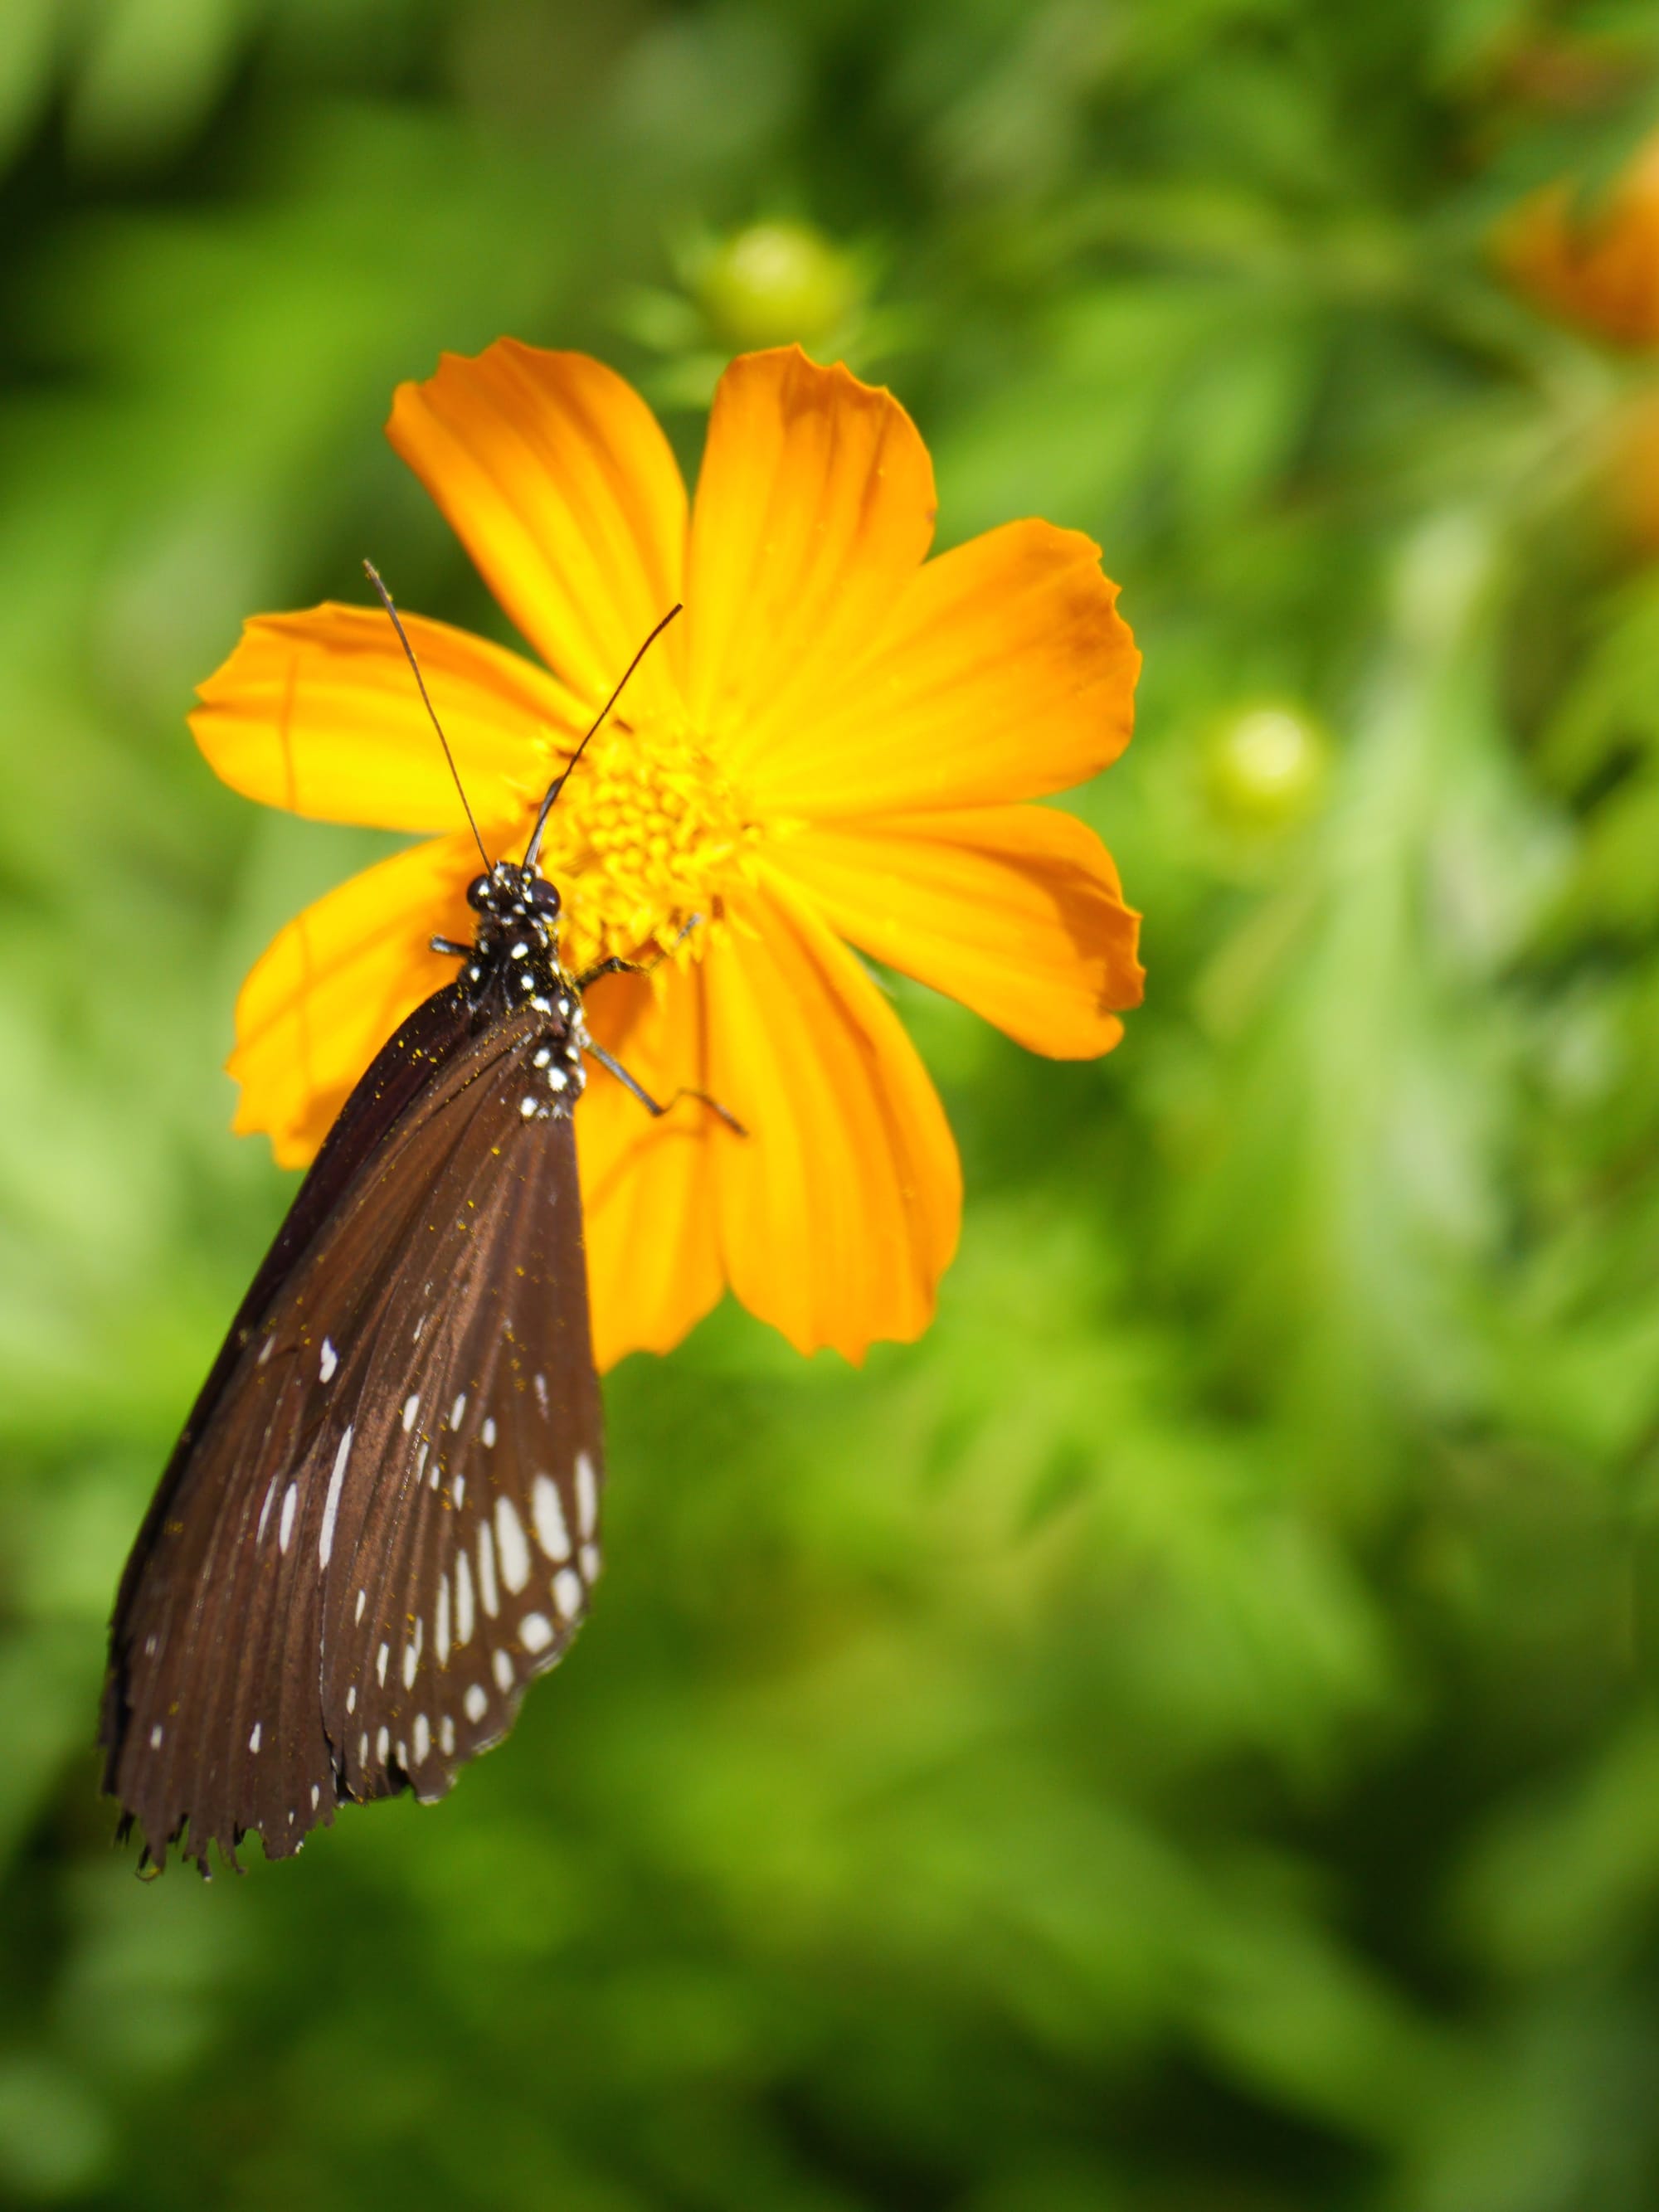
column 1592, row 263
column 833, row 743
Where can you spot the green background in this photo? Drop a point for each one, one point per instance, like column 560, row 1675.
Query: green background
column 1185, row 1735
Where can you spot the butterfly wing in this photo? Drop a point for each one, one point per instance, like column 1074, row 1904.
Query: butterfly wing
column 400, row 1440
column 463, row 1571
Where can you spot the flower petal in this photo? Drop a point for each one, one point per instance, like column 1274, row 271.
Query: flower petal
column 321, row 713
column 1587, row 257
column 335, row 982
column 654, row 1264
column 1016, row 910
column 815, row 506
column 553, row 475
column 839, row 1211
column 1003, row 673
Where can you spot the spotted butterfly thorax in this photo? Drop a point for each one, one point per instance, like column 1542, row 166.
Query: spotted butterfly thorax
column 381, row 1520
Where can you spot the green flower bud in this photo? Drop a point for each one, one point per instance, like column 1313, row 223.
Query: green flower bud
column 1265, row 768
column 775, row 282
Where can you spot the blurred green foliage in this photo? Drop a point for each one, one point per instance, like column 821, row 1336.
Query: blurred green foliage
column 1186, row 1734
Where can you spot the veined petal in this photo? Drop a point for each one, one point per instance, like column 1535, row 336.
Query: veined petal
column 840, row 1210
column 553, row 475
column 334, row 984
column 321, row 713
column 815, row 507
column 1003, row 671
column 654, row 1264
column 1016, row 910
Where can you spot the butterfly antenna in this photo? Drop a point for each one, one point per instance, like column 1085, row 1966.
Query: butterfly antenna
column 563, row 776
column 373, row 575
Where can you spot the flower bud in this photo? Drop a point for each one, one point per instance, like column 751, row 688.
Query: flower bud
column 1265, row 768
column 775, row 281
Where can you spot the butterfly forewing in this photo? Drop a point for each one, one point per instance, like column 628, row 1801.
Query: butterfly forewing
column 381, row 1519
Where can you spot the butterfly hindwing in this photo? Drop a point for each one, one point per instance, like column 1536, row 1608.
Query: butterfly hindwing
column 462, row 1572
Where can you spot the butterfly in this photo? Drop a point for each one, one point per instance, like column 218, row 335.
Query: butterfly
column 381, row 1521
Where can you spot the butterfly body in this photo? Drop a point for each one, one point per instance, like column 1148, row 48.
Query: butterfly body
column 381, row 1521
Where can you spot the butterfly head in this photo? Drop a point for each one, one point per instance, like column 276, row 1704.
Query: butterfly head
column 511, row 893
column 515, row 943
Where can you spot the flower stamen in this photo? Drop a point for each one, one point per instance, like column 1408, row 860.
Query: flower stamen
column 643, row 837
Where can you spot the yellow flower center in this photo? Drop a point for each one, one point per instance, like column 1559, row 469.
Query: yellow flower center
column 645, row 835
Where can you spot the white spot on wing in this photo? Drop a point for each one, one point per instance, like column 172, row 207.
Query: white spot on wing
column 489, row 1596
column 504, row 1673
column 447, row 1736
column 488, row 1432
column 384, row 1654
column 352, row 1698
column 155, row 1737
column 264, row 1511
column 362, row 1600
column 332, row 1503
column 253, row 1740
column 535, row 1631
column 329, row 1361
column 457, row 1410
column 474, row 1701
column 513, row 1547
column 285, row 1527
column 440, row 1624
column 411, row 1408
column 460, row 1492
column 547, row 1510
column 541, row 1391
column 462, row 1598
column 587, row 1495
column 422, row 1733
column 567, row 1592
column 382, row 1745
column 316, row 1796
column 589, row 1563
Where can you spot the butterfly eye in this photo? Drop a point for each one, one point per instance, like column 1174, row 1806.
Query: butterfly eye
column 478, row 893
column 546, row 898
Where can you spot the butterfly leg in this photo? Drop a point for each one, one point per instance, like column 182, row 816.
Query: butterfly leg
column 631, row 1083
column 448, row 944
column 617, row 966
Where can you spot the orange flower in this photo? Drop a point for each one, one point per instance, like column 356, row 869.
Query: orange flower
column 832, row 742
column 1594, row 264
